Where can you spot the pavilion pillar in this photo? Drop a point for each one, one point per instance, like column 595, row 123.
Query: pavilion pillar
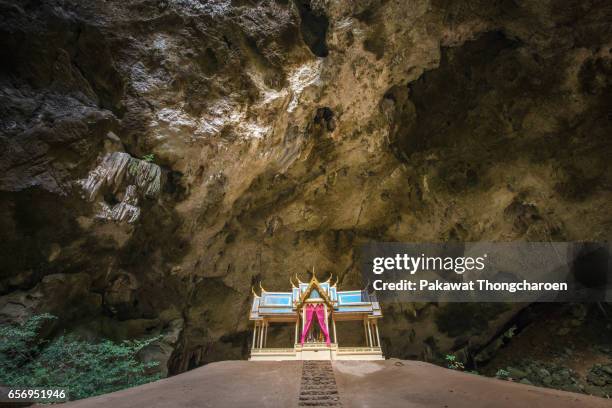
column 377, row 335
column 334, row 326
column 326, row 318
column 254, row 335
column 365, row 331
column 297, row 328
column 370, row 334
column 266, row 334
column 261, row 334
column 258, row 334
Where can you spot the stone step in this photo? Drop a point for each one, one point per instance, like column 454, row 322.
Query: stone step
column 319, row 398
column 319, row 393
column 318, row 385
column 308, row 391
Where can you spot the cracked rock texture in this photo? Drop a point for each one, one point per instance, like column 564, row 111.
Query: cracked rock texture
column 284, row 134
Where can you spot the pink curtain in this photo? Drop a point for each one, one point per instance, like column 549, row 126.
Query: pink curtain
column 319, row 310
column 321, row 317
column 309, row 313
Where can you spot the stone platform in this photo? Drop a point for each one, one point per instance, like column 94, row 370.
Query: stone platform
column 360, row 384
column 317, row 351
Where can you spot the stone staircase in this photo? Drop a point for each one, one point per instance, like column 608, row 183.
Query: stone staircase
column 318, row 388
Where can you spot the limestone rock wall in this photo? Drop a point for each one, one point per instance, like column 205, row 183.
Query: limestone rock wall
column 283, row 135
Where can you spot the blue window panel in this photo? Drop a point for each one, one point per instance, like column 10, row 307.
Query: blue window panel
column 345, row 309
column 271, row 310
column 349, row 297
column 280, row 300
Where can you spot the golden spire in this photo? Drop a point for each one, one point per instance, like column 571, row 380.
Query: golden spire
column 314, row 277
column 253, row 290
column 298, row 279
column 261, row 287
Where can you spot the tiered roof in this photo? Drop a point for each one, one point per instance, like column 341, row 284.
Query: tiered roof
column 352, row 303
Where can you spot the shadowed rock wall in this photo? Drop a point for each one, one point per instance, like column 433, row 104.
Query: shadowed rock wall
column 286, row 133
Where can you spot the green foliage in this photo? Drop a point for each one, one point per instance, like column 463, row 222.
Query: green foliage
column 503, row 374
column 452, row 362
column 510, row 332
column 85, row 368
column 148, row 158
column 18, row 344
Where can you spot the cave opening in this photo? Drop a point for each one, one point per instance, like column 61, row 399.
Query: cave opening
column 313, row 25
column 325, row 117
column 590, row 266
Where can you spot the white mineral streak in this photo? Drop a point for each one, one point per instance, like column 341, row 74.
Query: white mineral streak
column 253, row 130
column 301, row 78
column 220, row 115
column 267, row 95
column 175, row 118
column 344, row 24
column 224, row 114
column 116, row 170
column 126, row 211
column 213, row 8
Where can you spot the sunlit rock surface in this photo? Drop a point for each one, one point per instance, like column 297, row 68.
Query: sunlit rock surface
column 119, row 173
column 284, row 135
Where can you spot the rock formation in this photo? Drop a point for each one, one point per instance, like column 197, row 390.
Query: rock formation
column 159, row 157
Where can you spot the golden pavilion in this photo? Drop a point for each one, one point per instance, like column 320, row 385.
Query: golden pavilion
column 314, row 308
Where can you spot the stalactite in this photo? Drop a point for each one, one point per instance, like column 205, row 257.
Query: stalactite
column 116, row 170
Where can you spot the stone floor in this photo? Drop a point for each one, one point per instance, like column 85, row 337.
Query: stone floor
column 389, row 383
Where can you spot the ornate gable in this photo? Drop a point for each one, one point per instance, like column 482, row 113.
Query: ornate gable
column 314, row 287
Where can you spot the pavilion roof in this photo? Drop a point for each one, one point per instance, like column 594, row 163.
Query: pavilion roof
column 287, row 305
column 314, row 284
